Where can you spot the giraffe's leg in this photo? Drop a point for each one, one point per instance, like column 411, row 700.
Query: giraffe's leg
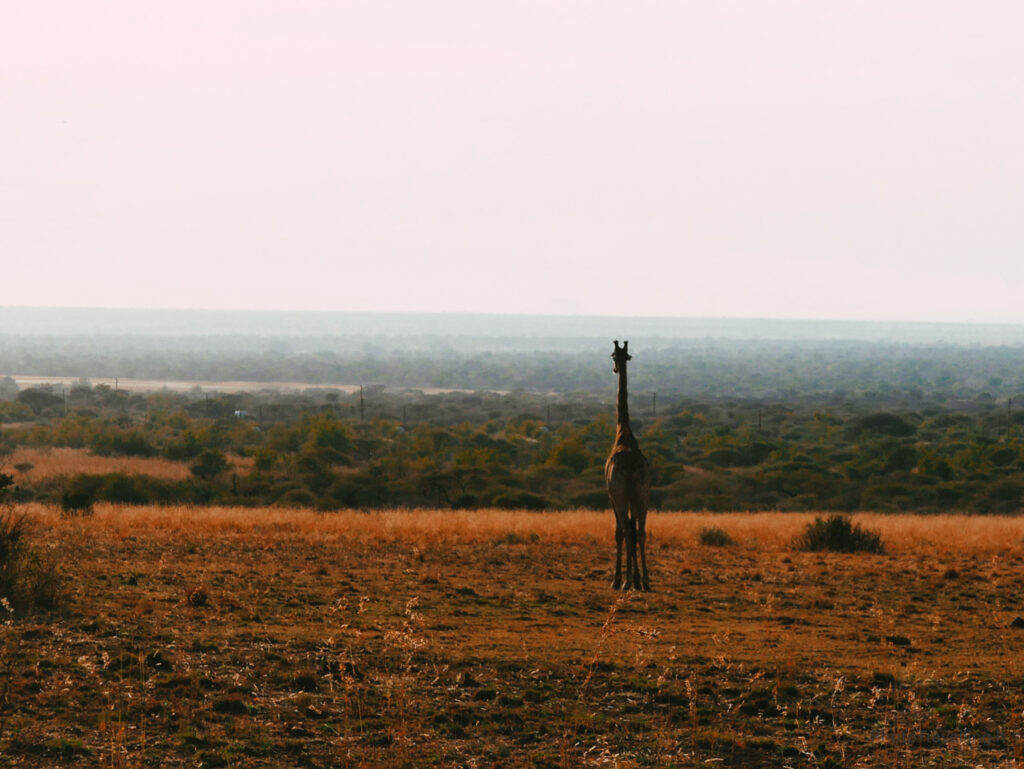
column 631, row 581
column 619, row 536
column 642, row 546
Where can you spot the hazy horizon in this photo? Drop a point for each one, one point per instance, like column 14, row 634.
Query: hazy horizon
column 496, row 329
column 699, row 159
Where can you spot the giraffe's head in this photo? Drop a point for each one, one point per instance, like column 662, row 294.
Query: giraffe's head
column 620, row 356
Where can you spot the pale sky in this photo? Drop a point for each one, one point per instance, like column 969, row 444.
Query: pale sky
column 790, row 159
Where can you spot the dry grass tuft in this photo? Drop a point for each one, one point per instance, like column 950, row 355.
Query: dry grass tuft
column 197, row 596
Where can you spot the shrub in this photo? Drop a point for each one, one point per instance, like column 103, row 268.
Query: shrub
column 80, row 494
column 125, row 489
column 570, row 453
column 187, row 447
column 28, row 579
column 901, row 458
column 747, row 455
column 590, row 500
column 264, row 459
column 76, row 502
column 39, row 398
column 466, row 502
column 712, row 536
column 131, row 443
column 296, row 498
column 836, row 534
column 888, row 424
column 209, row 464
column 520, row 500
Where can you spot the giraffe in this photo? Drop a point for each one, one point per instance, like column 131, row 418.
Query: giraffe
column 626, row 473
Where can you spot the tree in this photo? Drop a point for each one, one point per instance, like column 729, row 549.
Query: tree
column 264, row 459
column 209, row 464
column 39, row 398
column 569, row 452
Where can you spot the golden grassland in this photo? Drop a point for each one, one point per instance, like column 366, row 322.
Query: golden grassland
column 960, row 535
column 286, row 637
column 55, row 462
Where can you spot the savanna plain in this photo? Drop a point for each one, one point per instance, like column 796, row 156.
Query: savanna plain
column 380, row 576
column 220, row 636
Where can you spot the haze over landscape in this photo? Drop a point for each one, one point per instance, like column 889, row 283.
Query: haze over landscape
column 316, row 449
column 703, row 159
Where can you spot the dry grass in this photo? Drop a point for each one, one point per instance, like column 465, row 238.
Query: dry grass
column 276, row 637
column 769, row 532
column 55, row 462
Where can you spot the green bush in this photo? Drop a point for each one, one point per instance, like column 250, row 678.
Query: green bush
column 740, row 456
column 80, row 492
column 591, row 500
column 296, row 498
column 570, row 452
column 209, row 464
column 836, row 534
column 125, row 489
column 712, row 536
column 888, row 424
column 264, row 459
column 130, row 443
column 187, row 447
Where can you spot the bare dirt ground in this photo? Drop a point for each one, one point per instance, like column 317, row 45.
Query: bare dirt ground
column 195, row 637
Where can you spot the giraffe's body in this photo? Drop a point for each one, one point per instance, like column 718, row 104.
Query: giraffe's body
column 627, row 476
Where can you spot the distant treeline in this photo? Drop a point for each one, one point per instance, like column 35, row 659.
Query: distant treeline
column 876, row 448
column 901, row 374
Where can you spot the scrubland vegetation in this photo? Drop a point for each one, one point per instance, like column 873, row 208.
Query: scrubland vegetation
column 830, row 370
column 382, row 448
column 387, row 578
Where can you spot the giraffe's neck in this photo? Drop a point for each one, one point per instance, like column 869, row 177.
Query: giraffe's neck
column 622, row 405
